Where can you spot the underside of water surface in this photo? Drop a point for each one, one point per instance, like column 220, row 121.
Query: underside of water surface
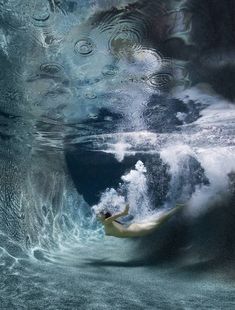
column 108, row 103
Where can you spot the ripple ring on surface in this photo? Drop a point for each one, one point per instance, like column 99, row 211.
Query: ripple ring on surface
column 51, row 68
column 84, row 47
column 110, row 70
column 160, row 80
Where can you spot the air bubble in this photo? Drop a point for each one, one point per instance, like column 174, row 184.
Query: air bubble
column 84, row 47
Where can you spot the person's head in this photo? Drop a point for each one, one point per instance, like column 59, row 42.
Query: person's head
column 107, row 214
column 104, row 215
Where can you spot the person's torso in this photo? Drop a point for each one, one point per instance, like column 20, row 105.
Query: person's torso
column 115, row 229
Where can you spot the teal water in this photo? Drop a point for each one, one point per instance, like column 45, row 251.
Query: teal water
column 103, row 274
column 104, row 103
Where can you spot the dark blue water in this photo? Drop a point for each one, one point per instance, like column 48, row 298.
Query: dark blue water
column 105, row 103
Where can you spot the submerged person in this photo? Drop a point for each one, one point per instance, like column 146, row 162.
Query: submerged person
column 116, row 229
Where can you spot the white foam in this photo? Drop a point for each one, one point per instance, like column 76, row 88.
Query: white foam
column 201, row 93
column 209, row 140
column 218, row 163
column 110, row 201
column 217, row 109
column 133, row 190
column 120, row 149
column 173, row 155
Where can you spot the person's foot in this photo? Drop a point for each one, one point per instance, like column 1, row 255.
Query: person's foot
column 177, row 208
column 180, row 205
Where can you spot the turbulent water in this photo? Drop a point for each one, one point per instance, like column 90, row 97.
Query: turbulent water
column 105, row 103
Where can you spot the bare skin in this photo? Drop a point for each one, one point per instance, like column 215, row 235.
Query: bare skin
column 115, row 229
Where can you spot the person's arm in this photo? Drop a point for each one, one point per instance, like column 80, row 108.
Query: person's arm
column 116, row 216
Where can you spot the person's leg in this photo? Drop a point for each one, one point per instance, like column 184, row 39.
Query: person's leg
column 166, row 216
column 142, row 229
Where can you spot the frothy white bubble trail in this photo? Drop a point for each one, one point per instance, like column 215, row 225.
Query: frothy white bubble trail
column 217, row 163
column 132, row 191
column 209, row 140
column 217, row 110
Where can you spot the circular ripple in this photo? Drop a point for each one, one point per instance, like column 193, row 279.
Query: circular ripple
column 50, row 68
column 41, row 15
column 126, row 29
column 90, row 95
column 92, row 116
column 84, row 47
column 129, row 33
column 160, row 80
column 124, row 42
column 110, row 70
column 149, row 60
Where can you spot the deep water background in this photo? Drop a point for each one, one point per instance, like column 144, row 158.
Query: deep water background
column 91, row 91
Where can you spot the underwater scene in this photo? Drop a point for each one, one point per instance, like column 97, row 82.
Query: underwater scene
column 117, row 154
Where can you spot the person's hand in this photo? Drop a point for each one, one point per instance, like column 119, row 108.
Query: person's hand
column 126, row 209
